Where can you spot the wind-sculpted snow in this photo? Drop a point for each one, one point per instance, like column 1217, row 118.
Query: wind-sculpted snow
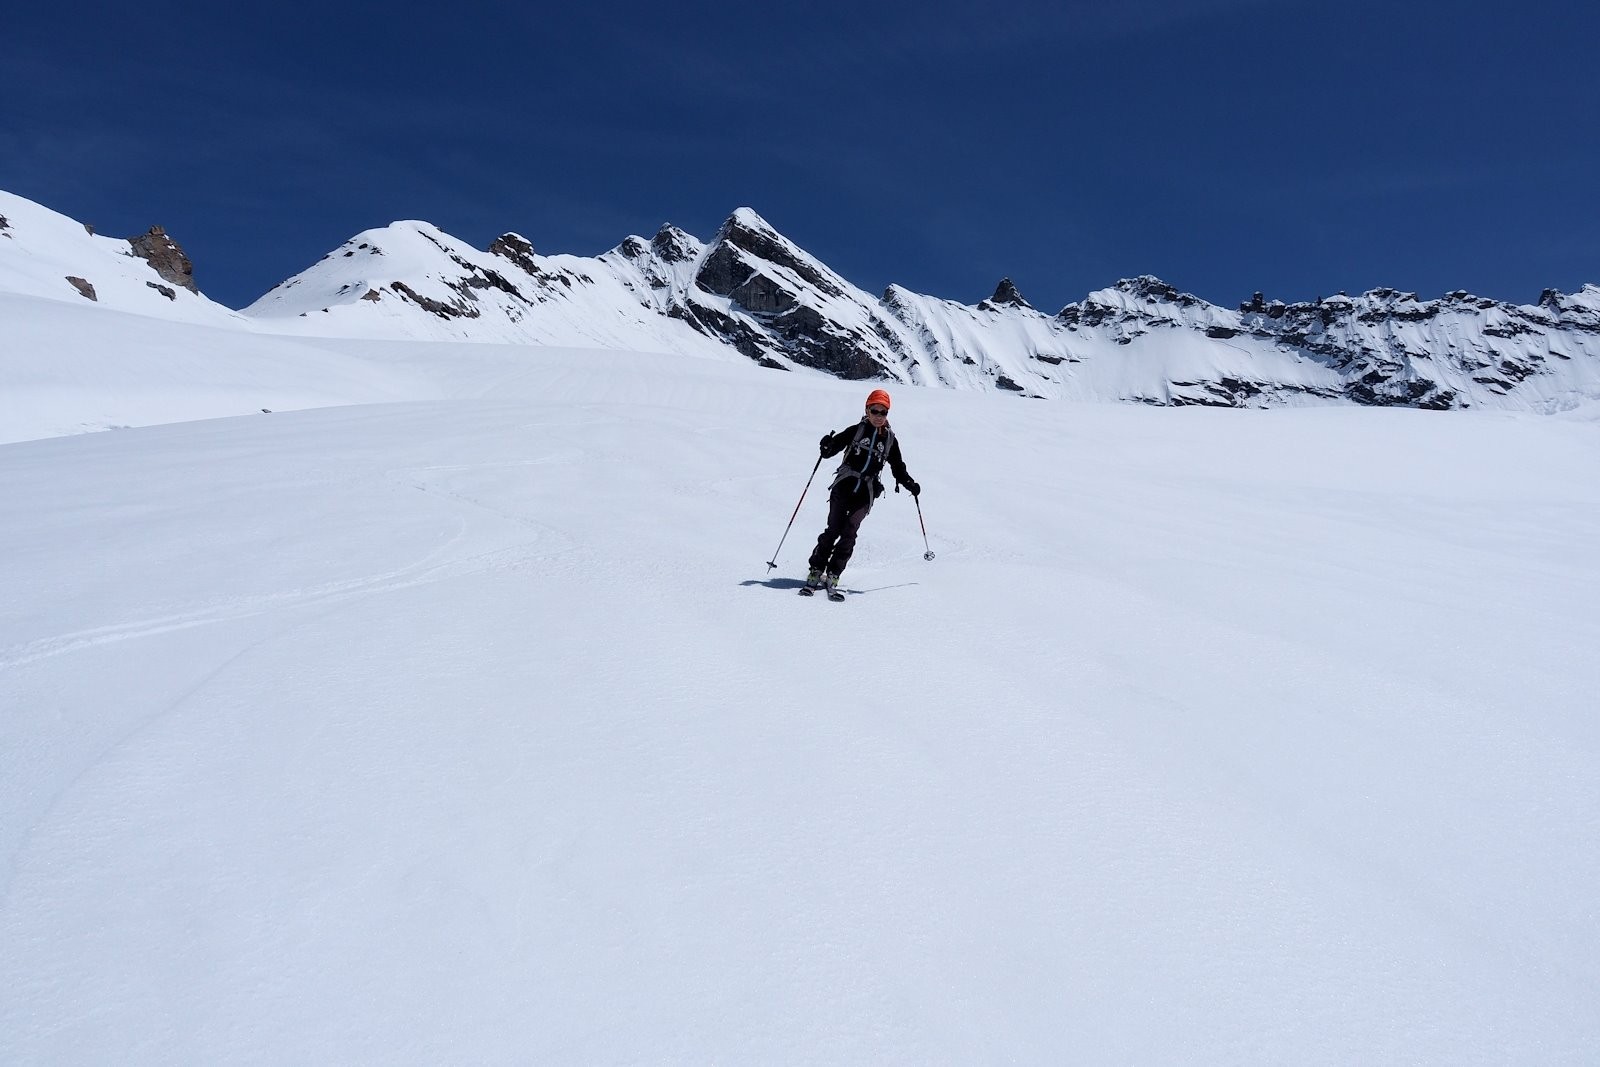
column 752, row 293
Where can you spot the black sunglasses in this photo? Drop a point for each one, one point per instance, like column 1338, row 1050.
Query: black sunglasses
column 876, row 410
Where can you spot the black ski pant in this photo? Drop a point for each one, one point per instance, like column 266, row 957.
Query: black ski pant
column 847, row 506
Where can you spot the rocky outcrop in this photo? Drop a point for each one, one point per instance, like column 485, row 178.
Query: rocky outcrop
column 455, row 309
column 83, row 287
column 517, row 248
column 164, row 254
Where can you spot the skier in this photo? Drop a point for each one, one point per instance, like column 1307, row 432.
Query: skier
column 866, row 446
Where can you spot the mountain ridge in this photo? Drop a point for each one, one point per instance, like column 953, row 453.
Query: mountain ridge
column 750, row 290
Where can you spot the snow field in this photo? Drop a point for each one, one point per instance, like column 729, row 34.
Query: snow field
column 474, row 729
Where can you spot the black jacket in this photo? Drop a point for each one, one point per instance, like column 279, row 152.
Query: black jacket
column 866, row 450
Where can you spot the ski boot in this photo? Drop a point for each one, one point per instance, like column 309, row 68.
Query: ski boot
column 813, row 583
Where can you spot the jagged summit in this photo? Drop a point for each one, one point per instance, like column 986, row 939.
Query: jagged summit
column 1146, row 298
column 1006, row 295
column 1151, row 289
column 674, row 245
column 745, row 243
column 752, row 293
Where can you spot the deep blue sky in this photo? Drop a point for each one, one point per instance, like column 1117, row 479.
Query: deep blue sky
column 1225, row 145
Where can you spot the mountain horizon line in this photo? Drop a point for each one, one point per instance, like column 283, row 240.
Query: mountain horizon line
column 1005, row 285
column 753, row 290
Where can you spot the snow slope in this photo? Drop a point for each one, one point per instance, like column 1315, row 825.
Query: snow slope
column 40, row 250
column 473, row 728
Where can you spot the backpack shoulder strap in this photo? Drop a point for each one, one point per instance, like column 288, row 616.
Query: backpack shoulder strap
column 844, row 470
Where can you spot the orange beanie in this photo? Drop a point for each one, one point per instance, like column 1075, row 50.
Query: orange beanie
column 877, row 396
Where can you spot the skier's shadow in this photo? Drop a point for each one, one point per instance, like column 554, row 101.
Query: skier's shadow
column 775, row 583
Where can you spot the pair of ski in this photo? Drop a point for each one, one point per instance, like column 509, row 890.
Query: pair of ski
column 835, row 594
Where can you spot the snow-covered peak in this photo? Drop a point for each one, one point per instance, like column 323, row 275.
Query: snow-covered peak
column 746, row 218
column 406, row 253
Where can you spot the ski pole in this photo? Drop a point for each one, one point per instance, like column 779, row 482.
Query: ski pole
column 773, row 562
column 929, row 553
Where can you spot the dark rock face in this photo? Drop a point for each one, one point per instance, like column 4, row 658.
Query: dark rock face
column 769, row 279
column 763, row 296
column 454, row 310
column 84, row 288
column 746, row 339
column 673, row 245
column 722, row 269
column 5, row 224
column 164, row 254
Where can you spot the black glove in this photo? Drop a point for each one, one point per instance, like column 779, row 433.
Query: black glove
column 822, row 445
column 914, row 488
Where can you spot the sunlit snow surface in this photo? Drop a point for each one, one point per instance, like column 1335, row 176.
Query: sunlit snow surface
column 459, row 719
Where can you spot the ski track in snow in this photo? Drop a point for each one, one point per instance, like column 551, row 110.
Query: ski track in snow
column 439, row 564
column 428, row 569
